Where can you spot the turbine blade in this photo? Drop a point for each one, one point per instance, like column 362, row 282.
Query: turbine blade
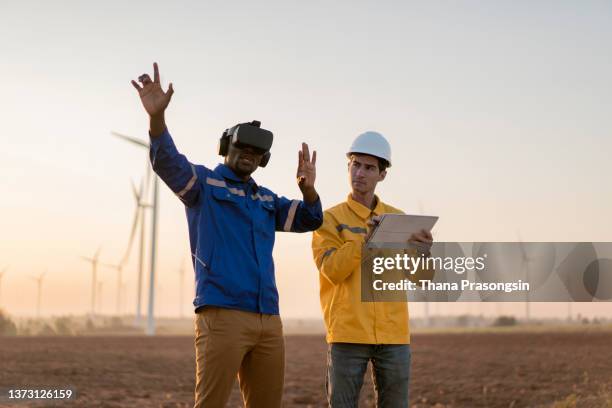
column 141, row 190
column 135, row 192
column 95, row 258
column 132, row 235
column 522, row 248
column 130, row 139
column 147, row 182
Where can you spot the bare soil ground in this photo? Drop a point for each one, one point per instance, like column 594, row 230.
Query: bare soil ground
column 448, row 370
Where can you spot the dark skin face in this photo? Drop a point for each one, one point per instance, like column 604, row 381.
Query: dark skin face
column 243, row 160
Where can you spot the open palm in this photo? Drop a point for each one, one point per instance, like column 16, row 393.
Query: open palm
column 306, row 171
column 153, row 98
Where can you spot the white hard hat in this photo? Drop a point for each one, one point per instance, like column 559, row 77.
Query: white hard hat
column 372, row 143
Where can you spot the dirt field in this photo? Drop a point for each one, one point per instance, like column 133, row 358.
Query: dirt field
column 458, row 370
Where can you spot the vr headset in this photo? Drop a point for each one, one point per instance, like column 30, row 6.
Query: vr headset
column 248, row 134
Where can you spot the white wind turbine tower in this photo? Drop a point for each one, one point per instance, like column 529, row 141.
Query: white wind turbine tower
column 1, row 276
column 38, row 280
column 525, row 263
column 94, row 271
column 124, row 292
column 119, row 269
column 425, row 303
column 141, row 207
column 150, row 312
column 99, row 305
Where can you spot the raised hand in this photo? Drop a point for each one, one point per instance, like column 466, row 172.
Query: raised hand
column 307, row 173
column 153, row 98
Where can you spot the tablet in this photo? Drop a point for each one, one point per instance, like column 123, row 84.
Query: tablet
column 397, row 228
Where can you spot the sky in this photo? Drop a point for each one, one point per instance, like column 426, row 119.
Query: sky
column 497, row 114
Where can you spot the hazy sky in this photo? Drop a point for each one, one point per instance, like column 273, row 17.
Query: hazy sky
column 498, row 114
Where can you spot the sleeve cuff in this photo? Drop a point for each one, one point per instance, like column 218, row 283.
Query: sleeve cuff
column 159, row 140
column 314, row 205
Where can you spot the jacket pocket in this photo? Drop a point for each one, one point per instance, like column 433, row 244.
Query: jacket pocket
column 266, row 220
column 223, row 194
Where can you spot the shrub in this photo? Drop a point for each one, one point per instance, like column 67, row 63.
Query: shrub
column 64, row 326
column 7, row 326
column 46, row 330
column 504, row 321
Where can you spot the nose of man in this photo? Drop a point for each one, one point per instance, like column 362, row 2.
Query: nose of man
column 359, row 173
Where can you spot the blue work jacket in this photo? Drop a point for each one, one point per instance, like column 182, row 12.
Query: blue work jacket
column 232, row 225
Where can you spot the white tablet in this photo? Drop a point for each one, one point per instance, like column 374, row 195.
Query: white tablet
column 397, row 228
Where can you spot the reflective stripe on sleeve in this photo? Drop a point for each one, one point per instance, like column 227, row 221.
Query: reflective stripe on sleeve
column 327, row 253
column 291, row 215
column 190, row 183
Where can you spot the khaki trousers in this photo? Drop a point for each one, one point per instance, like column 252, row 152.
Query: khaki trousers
column 233, row 342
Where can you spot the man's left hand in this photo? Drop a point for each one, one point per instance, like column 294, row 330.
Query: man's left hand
column 307, row 173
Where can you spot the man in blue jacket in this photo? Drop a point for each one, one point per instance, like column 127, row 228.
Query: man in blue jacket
column 232, row 223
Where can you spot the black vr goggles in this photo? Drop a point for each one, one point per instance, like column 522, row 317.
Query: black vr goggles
column 248, row 134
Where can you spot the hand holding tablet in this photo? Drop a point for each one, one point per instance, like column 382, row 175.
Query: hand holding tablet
column 398, row 228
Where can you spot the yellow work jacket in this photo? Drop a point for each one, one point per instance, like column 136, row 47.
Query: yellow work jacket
column 336, row 248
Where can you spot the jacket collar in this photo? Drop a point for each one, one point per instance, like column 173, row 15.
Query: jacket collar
column 362, row 211
column 229, row 174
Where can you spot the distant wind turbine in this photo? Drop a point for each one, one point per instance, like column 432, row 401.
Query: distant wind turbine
column 99, row 306
column 525, row 262
column 150, row 312
column 38, row 280
column 94, row 270
column 119, row 269
column 141, row 207
column 425, row 303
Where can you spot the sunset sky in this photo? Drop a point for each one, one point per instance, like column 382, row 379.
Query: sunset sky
column 498, row 114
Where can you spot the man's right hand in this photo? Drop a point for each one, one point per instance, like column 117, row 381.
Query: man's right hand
column 154, row 99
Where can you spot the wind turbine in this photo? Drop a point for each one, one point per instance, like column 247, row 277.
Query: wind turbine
column 1, row 275
column 124, row 296
column 525, row 261
column 99, row 306
column 150, row 312
column 141, row 207
column 119, row 269
column 38, row 280
column 425, row 303
column 94, row 268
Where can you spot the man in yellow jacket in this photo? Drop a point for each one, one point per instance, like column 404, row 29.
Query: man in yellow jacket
column 359, row 332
